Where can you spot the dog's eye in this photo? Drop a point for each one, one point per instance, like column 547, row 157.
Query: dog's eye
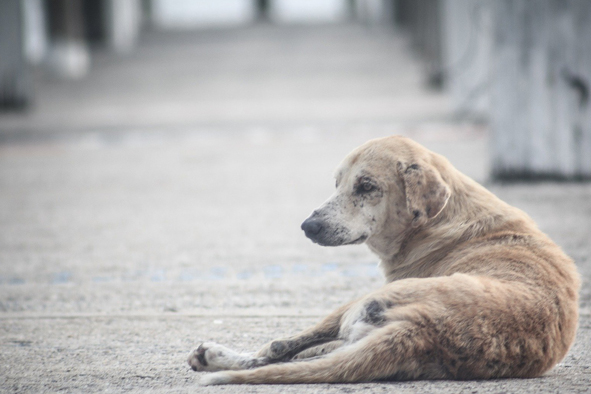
column 365, row 187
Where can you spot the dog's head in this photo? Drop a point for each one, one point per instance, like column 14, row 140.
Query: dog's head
column 383, row 189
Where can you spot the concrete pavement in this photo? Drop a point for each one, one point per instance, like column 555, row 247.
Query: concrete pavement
column 127, row 237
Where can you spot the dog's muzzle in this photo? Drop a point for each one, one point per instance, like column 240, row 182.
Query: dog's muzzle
column 322, row 232
column 312, row 227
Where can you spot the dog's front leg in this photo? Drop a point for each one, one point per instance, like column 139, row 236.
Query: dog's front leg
column 284, row 349
column 214, row 357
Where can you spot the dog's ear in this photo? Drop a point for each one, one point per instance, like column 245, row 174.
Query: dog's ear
column 426, row 192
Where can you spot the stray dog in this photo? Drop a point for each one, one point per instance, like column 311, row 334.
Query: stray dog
column 474, row 289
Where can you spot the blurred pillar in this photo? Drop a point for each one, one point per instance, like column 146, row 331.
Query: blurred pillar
column 123, row 22
column 68, row 55
column 404, row 13
column 541, row 114
column 15, row 78
column 35, row 30
column 467, row 42
column 427, row 37
column 262, row 7
column 375, row 12
column 421, row 20
column 115, row 24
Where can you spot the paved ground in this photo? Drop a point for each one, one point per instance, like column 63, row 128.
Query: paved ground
column 130, row 233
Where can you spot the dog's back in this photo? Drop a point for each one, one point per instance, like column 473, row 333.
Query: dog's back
column 531, row 285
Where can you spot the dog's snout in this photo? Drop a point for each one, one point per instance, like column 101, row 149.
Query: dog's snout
column 311, row 227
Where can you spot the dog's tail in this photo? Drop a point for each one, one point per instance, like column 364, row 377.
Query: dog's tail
column 388, row 352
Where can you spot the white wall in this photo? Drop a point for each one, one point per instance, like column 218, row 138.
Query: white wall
column 308, row 11
column 185, row 14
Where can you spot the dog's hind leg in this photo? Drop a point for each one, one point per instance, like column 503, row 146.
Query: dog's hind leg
column 399, row 350
column 319, row 350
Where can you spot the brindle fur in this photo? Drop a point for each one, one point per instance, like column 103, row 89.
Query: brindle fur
column 474, row 290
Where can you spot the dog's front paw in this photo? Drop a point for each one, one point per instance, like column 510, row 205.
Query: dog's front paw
column 213, row 357
column 197, row 359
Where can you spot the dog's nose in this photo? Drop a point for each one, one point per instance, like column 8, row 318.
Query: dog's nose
column 311, row 227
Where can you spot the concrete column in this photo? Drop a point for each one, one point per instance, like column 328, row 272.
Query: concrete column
column 375, row 12
column 123, row 22
column 35, row 31
column 541, row 120
column 15, row 78
column 467, row 37
column 69, row 56
column 421, row 20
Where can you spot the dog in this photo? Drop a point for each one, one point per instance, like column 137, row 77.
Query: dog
column 474, row 290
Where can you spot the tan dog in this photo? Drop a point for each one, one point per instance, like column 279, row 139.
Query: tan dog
column 474, row 290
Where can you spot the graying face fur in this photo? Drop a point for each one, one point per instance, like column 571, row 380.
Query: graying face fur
column 351, row 215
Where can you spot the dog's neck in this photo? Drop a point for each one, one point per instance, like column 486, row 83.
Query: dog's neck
column 472, row 210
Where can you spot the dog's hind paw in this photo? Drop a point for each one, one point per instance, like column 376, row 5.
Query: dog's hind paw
column 216, row 379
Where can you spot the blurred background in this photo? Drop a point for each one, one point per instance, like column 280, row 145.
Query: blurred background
column 521, row 69
column 157, row 158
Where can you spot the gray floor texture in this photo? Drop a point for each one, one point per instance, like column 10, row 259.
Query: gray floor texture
column 157, row 204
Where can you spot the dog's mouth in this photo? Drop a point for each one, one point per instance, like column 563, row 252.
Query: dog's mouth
column 325, row 242
column 359, row 240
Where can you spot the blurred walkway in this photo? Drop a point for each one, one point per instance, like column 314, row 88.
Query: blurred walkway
column 259, row 75
column 157, row 204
